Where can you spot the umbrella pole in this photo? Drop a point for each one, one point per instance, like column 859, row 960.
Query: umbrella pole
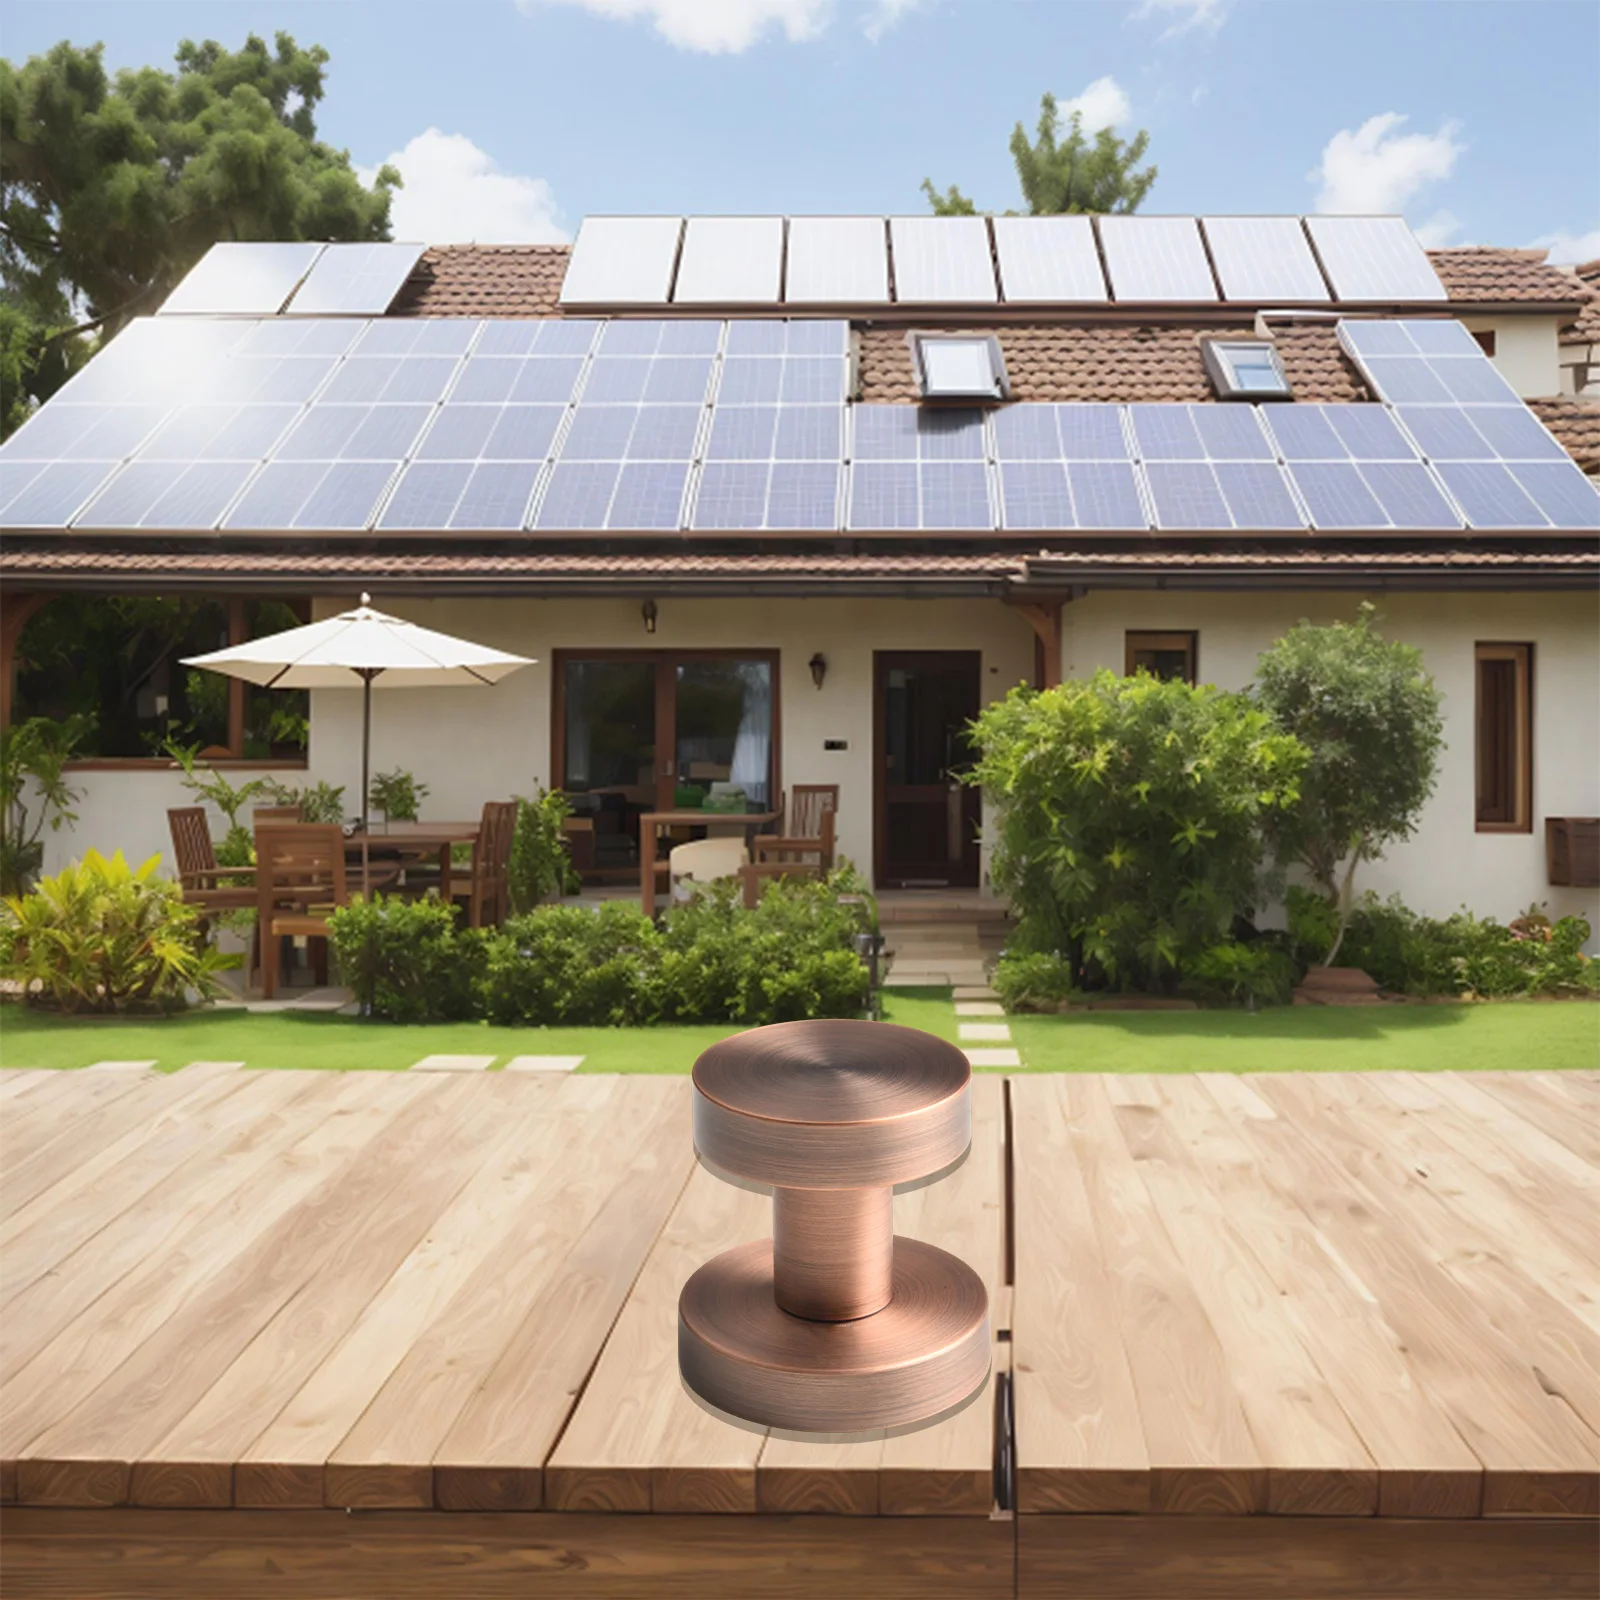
column 367, row 675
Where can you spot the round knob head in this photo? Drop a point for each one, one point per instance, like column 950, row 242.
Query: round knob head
column 832, row 1105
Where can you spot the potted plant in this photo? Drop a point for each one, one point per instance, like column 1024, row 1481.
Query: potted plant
column 397, row 795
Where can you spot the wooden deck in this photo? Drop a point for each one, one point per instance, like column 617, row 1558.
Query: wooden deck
column 1290, row 1335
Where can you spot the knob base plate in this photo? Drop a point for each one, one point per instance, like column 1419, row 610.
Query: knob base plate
column 924, row 1352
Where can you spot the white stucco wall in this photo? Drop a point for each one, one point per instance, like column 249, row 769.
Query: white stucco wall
column 1526, row 350
column 1446, row 863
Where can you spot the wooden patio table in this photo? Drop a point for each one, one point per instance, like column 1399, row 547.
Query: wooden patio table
column 414, row 840
column 751, row 821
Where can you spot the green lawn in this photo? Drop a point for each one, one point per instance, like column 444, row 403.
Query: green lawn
column 1306, row 1039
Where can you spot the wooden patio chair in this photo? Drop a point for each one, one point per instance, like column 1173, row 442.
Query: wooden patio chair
column 488, row 890
column 275, row 814
column 805, row 850
column 300, row 882
column 198, row 872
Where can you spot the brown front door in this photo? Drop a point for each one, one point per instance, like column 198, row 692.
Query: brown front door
column 925, row 825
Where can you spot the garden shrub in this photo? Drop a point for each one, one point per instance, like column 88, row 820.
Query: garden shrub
column 1257, row 972
column 407, row 960
column 1032, row 982
column 1130, row 818
column 574, row 965
column 101, row 936
column 540, row 861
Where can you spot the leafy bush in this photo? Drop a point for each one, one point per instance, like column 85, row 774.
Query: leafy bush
column 101, row 936
column 540, row 861
column 318, row 802
column 1259, row 972
column 397, row 795
column 407, row 960
column 1033, row 982
column 1130, row 819
column 574, row 965
column 34, row 792
column 206, row 784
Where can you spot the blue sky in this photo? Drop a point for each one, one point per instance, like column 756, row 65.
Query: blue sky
column 513, row 118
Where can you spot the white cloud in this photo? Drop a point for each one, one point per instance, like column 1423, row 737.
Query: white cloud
column 1377, row 168
column 883, row 14
column 1186, row 16
column 1439, row 230
column 1103, row 104
column 1570, row 247
column 454, row 193
column 722, row 27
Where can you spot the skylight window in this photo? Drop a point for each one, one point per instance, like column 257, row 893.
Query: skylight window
column 952, row 367
column 1246, row 369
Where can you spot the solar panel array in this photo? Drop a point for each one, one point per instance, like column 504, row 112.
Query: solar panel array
column 359, row 280
column 966, row 260
column 242, row 280
column 562, row 425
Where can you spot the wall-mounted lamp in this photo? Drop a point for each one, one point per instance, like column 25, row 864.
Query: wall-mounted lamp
column 649, row 612
column 819, row 668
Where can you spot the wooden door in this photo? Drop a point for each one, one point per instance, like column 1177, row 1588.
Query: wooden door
column 925, row 823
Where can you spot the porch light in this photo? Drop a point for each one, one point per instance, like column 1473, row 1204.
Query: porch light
column 819, row 668
column 649, row 612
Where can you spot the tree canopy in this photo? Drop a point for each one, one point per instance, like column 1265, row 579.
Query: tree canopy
column 1062, row 169
column 113, row 186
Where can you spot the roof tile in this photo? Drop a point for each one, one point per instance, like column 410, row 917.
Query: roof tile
column 1576, row 425
column 1585, row 327
column 1493, row 276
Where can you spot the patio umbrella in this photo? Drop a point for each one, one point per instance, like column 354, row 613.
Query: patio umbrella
column 361, row 646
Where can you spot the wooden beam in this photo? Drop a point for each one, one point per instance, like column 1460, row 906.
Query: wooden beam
column 1044, row 617
column 15, row 609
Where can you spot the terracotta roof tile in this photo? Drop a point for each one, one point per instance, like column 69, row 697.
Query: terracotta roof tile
column 1585, row 327
column 1492, row 276
column 1576, row 425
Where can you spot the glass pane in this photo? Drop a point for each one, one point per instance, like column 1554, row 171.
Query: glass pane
column 1163, row 663
column 609, row 765
column 724, row 730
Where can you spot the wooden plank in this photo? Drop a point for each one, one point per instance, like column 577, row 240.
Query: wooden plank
column 1538, row 1458
column 18, row 1081
column 193, row 1464
column 1302, row 1558
column 639, row 1441
column 492, row 1458
column 387, row 1458
column 72, row 1099
column 1542, row 1105
column 328, row 1555
column 1316, row 1463
column 86, row 1456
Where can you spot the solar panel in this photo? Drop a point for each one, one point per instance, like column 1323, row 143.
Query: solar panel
column 1264, row 260
column 1212, row 466
column 942, row 261
column 313, row 495
column 1049, row 261
column 1066, row 466
column 836, row 261
column 37, row 494
column 1156, row 259
column 918, row 469
column 622, row 261
column 242, row 280
column 167, row 494
column 1306, row 432
column 730, row 261
column 354, row 280
column 1375, row 260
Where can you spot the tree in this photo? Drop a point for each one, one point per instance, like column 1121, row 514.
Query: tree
column 1131, row 813
column 111, row 188
column 1369, row 715
column 1062, row 170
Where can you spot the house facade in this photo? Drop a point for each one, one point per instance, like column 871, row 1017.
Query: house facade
column 796, row 529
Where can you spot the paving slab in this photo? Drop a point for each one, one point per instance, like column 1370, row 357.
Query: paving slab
column 973, row 991
column 994, row 1058
column 979, row 1008
column 119, row 1066
column 544, row 1063
column 983, row 1032
column 452, row 1064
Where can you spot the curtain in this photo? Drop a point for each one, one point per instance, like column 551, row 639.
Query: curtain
column 752, row 748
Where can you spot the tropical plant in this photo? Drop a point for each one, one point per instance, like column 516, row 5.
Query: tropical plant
column 1062, row 170
column 397, row 795
column 1369, row 716
column 34, row 792
column 318, row 802
column 1130, row 816
column 540, row 863
column 211, row 787
column 1033, row 981
column 101, row 936
column 1257, row 972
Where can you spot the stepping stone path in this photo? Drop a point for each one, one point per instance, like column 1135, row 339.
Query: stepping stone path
column 544, row 1063
column 119, row 1066
column 979, row 1008
column 985, row 1044
column 452, row 1064
column 983, row 1032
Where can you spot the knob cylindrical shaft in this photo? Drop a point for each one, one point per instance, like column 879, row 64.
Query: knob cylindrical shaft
column 833, row 1251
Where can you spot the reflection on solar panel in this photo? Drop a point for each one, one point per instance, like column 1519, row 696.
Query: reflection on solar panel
column 312, row 495
column 622, row 261
column 1264, row 259
column 1051, row 260
column 730, row 261
column 1374, row 260
column 1212, row 467
column 1066, row 466
column 242, row 280
column 914, row 468
column 942, row 261
column 1156, row 258
column 837, row 261
column 355, row 280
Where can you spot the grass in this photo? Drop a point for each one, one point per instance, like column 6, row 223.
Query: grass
column 1303, row 1039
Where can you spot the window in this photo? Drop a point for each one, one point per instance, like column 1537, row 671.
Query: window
column 970, row 368
column 1245, row 369
column 1162, row 655
column 1485, row 338
column 1505, row 738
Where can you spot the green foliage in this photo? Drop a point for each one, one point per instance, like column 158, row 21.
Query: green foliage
column 34, row 792
column 211, row 787
column 319, row 802
column 101, row 936
column 111, row 188
column 1369, row 715
column 397, row 795
column 1062, row 170
column 1033, row 981
column 1130, row 818
column 407, row 960
column 575, row 965
column 1260, row 972
column 1467, row 955
column 540, row 862
column 1313, row 923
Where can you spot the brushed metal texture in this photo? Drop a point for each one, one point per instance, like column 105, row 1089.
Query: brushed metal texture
column 833, row 1251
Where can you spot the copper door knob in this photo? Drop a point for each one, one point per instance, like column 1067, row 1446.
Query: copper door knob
column 833, row 1324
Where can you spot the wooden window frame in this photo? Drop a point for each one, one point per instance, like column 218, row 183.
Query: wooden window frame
column 1522, row 778
column 1136, row 639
